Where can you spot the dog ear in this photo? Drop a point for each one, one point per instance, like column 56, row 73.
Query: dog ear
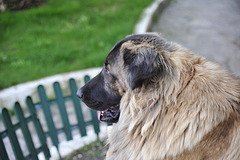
column 143, row 63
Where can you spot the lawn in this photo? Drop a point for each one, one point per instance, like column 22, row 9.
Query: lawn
column 62, row 36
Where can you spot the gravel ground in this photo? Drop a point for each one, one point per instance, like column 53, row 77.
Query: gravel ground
column 94, row 151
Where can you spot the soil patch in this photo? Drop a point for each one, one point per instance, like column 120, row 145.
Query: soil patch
column 94, row 151
column 23, row 4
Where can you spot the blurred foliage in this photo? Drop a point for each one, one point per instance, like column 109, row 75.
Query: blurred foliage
column 62, row 36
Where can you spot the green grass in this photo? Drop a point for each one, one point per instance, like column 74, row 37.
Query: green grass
column 62, row 36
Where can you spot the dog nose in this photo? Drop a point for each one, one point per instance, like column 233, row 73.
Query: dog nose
column 80, row 94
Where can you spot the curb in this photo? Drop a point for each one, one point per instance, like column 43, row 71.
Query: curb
column 21, row 91
column 147, row 17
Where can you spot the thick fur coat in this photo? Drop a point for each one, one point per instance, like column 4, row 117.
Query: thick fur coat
column 190, row 111
column 167, row 103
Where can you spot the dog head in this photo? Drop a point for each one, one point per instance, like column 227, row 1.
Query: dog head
column 133, row 62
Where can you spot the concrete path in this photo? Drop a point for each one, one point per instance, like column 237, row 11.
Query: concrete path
column 210, row 28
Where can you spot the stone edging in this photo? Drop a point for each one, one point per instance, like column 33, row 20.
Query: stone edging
column 21, row 91
column 148, row 14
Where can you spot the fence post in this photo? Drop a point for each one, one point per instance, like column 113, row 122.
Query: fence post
column 3, row 152
column 77, row 107
column 48, row 115
column 11, row 134
column 95, row 120
column 26, row 133
column 62, row 109
column 38, row 127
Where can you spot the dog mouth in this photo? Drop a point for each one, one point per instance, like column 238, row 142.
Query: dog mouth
column 110, row 115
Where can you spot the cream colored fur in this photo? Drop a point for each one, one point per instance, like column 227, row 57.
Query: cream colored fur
column 178, row 115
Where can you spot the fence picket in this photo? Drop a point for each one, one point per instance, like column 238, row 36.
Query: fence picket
column 77, row 107
column 62, row 109
column 38, row 127
column 95, row 120
column 48, row 115
column 3, row 152
column 26, row 133
column 11, row 134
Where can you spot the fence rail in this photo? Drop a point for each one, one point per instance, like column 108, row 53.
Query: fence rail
column 52, row 131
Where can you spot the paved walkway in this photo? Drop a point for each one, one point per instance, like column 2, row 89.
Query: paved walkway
column 211, row 28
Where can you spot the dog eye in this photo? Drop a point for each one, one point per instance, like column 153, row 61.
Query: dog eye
column 107, row 72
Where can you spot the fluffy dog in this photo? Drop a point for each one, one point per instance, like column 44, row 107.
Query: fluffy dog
column 166, row 102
